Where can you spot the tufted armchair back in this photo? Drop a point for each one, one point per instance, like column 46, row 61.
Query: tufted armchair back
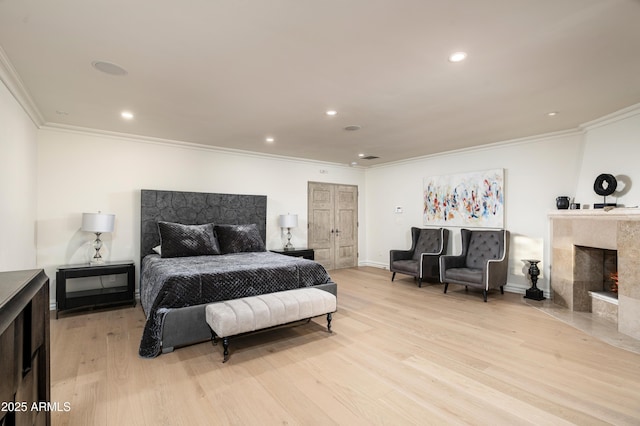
column 484, row 246
column 429, row 241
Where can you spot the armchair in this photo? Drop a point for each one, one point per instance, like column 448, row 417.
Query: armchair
column 482, row 263
column 421, row 261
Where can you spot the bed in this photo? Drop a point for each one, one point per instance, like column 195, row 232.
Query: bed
column 228, row 260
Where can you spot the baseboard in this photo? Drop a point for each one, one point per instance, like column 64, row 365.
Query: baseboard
column 519, row 289
column 378, row 265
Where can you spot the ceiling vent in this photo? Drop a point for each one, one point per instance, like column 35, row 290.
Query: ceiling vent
column 370, row 157
column 109, row 68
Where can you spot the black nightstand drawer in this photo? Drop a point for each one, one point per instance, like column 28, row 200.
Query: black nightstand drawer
column 304, row 253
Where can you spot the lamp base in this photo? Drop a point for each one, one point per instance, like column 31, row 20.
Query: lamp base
column 97, row 245
column 289, row 246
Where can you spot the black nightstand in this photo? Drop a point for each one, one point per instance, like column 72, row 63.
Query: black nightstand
column 103, row 296
column 301, row 252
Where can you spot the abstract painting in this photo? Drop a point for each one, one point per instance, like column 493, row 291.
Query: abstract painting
column 468, row 199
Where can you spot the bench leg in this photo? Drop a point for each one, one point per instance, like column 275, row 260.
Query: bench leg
column 214, row 338
column 225, row 346
column 329, row 322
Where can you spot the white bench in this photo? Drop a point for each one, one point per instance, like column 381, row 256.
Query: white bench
column 239, row 316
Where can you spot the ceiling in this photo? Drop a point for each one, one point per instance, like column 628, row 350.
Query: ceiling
column 231, row 73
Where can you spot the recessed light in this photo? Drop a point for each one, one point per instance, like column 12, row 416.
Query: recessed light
column 354, row 163
column 270, row 139
column 552, row 113
column 332, row 112
column 353, row 127
column 457, row 57
column 126, row 115
column 109, row 68
column 360, row 155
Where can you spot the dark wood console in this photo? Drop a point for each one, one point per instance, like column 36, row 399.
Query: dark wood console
column 25, row 384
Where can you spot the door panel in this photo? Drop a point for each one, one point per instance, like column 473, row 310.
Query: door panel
column 321, row 218
column 347, row 226
column 333, row 224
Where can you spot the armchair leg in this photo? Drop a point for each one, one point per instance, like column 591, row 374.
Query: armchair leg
column 446, row 286
column 420, row 282
column 501, row 289
column 393, row 276
column 484, row 294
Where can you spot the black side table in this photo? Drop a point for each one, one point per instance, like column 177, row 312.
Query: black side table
column 301, row 252
column 104, row 296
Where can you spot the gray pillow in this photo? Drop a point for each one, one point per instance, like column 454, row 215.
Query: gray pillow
column 239, row 238
column 178, row 240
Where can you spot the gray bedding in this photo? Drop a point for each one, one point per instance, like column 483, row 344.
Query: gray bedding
column 171, row 283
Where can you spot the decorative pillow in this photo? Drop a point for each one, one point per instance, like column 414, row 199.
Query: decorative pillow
column 239, row 238
column 178, row 240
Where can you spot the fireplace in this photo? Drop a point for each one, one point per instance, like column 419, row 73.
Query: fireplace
column 594, row 270
column 587, row 247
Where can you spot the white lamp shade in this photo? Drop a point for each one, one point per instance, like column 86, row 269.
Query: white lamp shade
column 98, row 222
column 288, row 220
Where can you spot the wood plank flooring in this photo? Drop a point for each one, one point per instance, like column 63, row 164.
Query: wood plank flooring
column 398, row 355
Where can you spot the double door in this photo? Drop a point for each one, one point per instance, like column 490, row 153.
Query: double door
column 333, row 224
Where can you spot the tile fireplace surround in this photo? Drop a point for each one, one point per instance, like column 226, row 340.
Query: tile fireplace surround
column 574, row 272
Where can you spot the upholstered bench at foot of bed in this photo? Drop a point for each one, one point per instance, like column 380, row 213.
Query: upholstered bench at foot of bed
column 239, row 316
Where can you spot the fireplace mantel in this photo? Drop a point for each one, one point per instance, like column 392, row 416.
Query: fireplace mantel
column 617, row 229
column 618, row 213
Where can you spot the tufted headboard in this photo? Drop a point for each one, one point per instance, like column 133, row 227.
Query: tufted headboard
column 196, row 208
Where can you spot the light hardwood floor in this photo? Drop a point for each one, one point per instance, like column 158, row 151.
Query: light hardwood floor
column 399, row 354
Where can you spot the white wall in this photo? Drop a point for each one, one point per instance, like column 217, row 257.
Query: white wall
column 17, row 185
column 536, row 171
column 612, row 146
column 81, row 172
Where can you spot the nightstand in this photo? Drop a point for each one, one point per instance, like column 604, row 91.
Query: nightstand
column 301, row 252
column 105, row 295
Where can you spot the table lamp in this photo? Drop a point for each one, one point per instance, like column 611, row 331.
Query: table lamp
column 97, row 223
column 288, row 221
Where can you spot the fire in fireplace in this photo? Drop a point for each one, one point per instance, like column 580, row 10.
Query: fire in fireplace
column 598, row 269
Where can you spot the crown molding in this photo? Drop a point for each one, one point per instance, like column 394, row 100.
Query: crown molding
column 186, row 145
column 486, row 147
column 621, row 114
column 14, row 84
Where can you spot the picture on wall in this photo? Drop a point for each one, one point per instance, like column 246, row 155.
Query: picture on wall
column 473, row 199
